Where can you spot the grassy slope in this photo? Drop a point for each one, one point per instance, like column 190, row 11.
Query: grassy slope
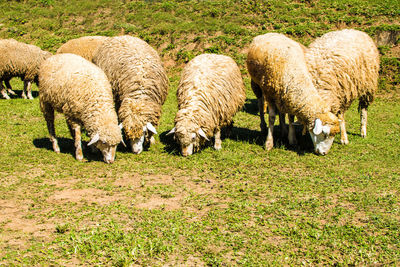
column 240, row 205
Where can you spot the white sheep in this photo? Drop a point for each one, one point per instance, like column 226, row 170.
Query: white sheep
column 277, row 66
column 85, row 46
column 71, row 85
column 22, row 60
column 344, row 66
column 139, row 83
column 210, row 92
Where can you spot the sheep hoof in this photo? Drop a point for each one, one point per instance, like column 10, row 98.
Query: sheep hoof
column 218, row 147
column 30, row 97
column 6, row 96
column 11, row 92
column 269, row 145
column 344, row 141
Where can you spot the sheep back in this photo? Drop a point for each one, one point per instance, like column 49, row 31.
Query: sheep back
column 80, row 90
column 85, row 46
column 22, row 60
column 209, row 94
column 345, row 66
column 138, row 79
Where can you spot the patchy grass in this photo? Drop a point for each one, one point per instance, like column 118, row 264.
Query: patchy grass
column 237, row 206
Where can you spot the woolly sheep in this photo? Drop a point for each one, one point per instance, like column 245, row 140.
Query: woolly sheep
column 71, row 85
column 210, row 92
column 344, row 66
column 85, row 46
column 22, row 60
column 277, row 66
column 140, row 86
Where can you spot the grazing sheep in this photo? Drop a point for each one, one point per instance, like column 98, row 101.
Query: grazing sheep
column 85, row 46
column 140, row 86
column 210, row 92
column 71, row 85
column 19, row 60
column 277, row 66
column 344, row 66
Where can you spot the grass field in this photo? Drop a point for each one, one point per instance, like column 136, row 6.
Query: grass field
column 238, row 206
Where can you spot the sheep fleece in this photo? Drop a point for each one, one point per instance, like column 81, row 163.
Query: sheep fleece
column 210, row 92
column 22, row 60
column 85, row 46
column 80, row 90
column 138, row 80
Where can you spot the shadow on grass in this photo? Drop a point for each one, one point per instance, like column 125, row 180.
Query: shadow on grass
column 251, row 106
column 67, row 147
column 170, row 144
column 19, row 93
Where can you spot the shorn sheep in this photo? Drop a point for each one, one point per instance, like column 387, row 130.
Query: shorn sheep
column 278, row 68
column 140, row 86
column 85, row 46
column 22, row 60
column 342, row 65
column 210, row 92
column 345, row 66
column 71, row 85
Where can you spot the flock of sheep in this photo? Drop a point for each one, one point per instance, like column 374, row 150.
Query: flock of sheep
column 106, row 84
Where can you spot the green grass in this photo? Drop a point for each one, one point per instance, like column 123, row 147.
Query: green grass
column 238, row 206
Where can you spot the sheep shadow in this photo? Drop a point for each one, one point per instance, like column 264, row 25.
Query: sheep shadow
column 251, row 106
column 67, row 147
column 170, row 145
column 18, row 94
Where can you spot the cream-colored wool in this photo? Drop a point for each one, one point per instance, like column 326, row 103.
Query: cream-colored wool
column 80, row 90
column 22, row 60
column 277, row 65
column 209, row 94
column 85, row 46
column 344, row 66
column 138, row 80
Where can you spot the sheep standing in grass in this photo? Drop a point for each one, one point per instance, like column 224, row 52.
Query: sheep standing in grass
column 19, row 60
column 85, row 46
column 278, row 67
column 71, row 85
column 140, row 86
column 210, row 92
column 344, row 66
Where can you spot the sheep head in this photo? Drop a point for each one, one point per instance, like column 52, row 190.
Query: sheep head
column 137, row 143
column 106, row 149
column 189, row 138
column 323, row 132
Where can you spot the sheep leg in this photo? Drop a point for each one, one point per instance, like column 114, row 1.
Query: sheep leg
column 3, row 91
column 48, row 112
column 363, row 118
column 28, row 89
column 261, row 107
column 26, row 85
column 269, row 143
column 292, row 132
column 152, row 140
column 343, row 134
column 9, row 88
column 282, row 124
column 217, row 142
column 75, row 130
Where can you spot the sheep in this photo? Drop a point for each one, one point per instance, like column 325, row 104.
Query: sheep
column 344, row 66
column 22, row 60
column 71, row 85
column 278, row 68
column 85, row 46
column 139, row 83
column 209, row 94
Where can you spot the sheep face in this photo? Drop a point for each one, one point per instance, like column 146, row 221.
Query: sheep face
column 188, row 140
column 324, row 133
column 107, row 150
column 137, row 143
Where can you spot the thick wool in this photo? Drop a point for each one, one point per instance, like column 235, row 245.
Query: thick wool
column 85, row 46
column 138, row 80
column 277, row 65
column 80, row 90
column 209, row 94
column 344, row 66
column 22, row 60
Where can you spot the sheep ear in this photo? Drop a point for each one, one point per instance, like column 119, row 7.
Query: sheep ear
column 172, row 131
column 326, row 129
column 202, row 134
column 95, row 138
column 151, row 128
column 120, row 126
column 317, row 127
